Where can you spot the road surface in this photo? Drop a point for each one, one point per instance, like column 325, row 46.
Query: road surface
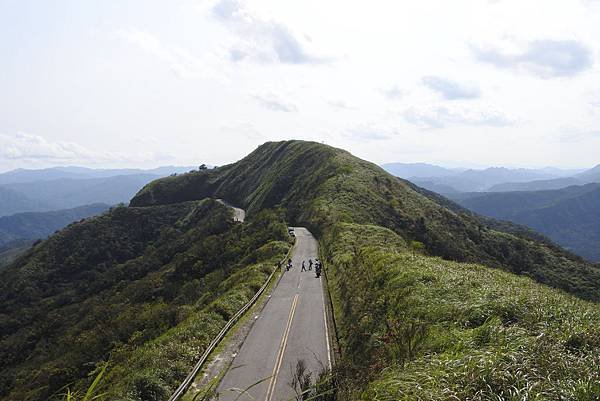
column 238, row 214
column 290, row 327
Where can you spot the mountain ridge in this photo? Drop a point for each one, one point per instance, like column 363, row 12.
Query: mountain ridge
column 142, row 288
column 371, row 196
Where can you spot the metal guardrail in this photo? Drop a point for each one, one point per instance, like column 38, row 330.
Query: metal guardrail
column 182, row 389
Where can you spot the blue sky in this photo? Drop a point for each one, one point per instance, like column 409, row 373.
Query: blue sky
column 145, row 83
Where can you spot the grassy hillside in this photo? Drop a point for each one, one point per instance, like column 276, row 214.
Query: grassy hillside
column 319, row 185
column 32, row 225
column 142, row 288
column 569, row 216
column 423, row 328
column 418, row 326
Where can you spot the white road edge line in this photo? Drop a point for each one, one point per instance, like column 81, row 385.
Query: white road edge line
column 326, row 329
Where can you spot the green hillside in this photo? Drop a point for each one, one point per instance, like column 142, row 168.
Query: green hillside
column 142, row 288
column 319, row 186
column 422, row 328
column 423, row 290
column 569, row 216
column 418, row 326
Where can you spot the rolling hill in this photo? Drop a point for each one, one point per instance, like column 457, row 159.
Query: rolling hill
column 479, row 180
column 586, row 177
column 12, row 202
column 423, row 290
column 148, row 287
column 316, row 183
column 67, row 193
column 535, row 185
column 68, row 187
column 569, row 216
column 494, row 179
column 416, row 170
column 32, row 226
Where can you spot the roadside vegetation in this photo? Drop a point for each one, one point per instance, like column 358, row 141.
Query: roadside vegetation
column 144, row 289
column 422, row 328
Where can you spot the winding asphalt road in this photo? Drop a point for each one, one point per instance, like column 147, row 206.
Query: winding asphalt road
column 289, row 328
column 238, row 214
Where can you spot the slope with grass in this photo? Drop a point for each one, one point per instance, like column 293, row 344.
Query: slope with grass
column 422, row 328
column 318, row 185
column 435, row 323
column 142, row 288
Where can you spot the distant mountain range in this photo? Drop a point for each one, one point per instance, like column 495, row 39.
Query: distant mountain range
column 415, row 170
column 18, row 228
column 570, row 216
column 493, row 179
column 589, row 176
column 69, row 187
column 564, row 205
column 72, row 172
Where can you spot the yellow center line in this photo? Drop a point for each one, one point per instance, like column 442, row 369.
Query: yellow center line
column 279, row 360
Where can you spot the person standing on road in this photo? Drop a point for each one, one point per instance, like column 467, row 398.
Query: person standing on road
column 310, row 263
column 303, row 267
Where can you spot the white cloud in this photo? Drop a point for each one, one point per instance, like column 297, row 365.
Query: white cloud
column 36, row 149
column 340, row 105
column 263, row 40
column 275, row 103
column 544, row 58
column 575, row 134
column 245, row 128
column 432, row 117
column 25, row 146
column 101, row 89
column 393, row 92
column 178, row 59
column 451, row 90
column 362, row 133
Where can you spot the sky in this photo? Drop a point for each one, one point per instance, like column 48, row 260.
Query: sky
column 142, row 83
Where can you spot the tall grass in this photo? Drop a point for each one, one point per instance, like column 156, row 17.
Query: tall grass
column 421, row 328
column 92, row 393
